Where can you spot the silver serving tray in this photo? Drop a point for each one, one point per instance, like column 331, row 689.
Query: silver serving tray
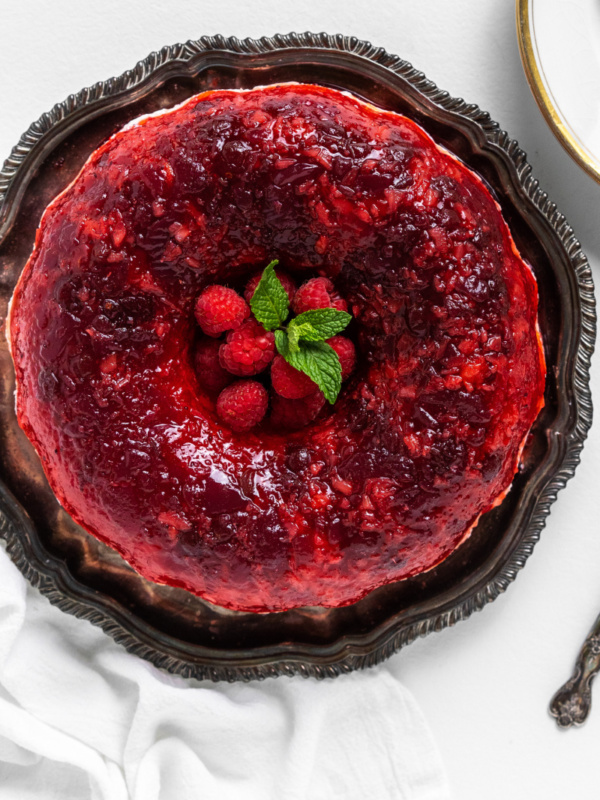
column 170, row 627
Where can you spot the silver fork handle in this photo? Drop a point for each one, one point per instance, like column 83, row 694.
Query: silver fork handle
column 571, row 704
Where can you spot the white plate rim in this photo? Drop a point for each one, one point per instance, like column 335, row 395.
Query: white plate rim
column 547, row 104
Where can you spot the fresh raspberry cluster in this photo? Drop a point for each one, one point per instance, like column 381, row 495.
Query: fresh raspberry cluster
column 247, row 349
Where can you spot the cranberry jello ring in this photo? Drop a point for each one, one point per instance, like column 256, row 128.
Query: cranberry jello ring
column 426, row 434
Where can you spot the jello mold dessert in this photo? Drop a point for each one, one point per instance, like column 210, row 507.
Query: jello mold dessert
column 425, row 435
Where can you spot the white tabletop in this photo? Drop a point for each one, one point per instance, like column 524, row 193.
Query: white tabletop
column 484, row 685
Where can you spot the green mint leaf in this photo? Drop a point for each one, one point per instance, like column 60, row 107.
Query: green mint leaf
column 303, row 331
column 321, row 323
column 321, row 363
column 270, row 303
column 281, row 343
column 293, row 338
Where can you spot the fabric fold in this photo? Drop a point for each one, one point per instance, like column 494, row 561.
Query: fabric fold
column 82, row 718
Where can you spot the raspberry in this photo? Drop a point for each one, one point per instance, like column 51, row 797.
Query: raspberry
column 317, row 293
column 289, row 382
column 210, row 372
column 287, row 282
column 346, row 354
column 242, row 405
column 248, row 350
column 294, row 414
column 219, row 309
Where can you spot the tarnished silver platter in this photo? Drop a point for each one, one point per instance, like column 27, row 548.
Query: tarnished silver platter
column 170, row 627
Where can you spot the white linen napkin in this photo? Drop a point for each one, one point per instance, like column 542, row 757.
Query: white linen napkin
column 81, row 718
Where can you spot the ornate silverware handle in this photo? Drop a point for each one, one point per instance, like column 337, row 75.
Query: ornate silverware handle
column 571, row 704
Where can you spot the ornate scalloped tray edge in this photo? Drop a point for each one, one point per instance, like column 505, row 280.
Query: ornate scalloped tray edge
column 337, row 640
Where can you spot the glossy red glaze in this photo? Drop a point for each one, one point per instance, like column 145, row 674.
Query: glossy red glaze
column 425, row 436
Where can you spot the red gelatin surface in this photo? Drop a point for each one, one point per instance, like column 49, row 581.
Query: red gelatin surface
column 425, row 436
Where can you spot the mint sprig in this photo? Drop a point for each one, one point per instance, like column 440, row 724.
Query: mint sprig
column 321, row 323
column 270, row 303
column 302, row 342
column 320, row 362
